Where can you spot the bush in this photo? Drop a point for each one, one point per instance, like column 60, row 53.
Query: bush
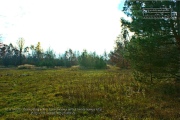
column 2, row 66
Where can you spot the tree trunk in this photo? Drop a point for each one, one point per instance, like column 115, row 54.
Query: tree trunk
column 178, row 23
column 178, row 37
column 178, row 18
column 20, row 57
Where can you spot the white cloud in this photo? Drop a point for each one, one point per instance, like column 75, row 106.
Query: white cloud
column 62, row 24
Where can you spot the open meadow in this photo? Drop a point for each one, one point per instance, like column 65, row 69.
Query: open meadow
column 74, row 94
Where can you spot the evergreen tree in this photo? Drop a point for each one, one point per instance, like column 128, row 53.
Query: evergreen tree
column 156, row 41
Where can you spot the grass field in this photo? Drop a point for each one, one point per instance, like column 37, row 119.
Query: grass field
column 68, row 93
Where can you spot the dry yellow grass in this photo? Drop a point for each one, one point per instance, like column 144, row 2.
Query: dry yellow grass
column 26, row 66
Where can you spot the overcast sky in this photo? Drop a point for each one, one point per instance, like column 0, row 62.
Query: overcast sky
column 62, row 24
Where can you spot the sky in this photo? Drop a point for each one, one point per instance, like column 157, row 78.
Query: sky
column 62, row 24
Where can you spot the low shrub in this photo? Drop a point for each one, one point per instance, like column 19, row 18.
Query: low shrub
column 26, row 66
column 75, row 68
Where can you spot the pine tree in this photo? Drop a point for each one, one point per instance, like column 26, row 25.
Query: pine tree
column 154, row 47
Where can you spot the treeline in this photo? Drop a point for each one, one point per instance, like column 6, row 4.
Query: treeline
column 34, row 55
